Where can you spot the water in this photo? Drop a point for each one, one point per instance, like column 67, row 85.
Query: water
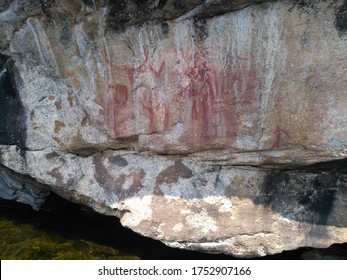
column 66, row 231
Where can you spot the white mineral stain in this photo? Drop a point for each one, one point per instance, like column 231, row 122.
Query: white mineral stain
column 139, row 210
column 201, row 221
column 128, row 183
column 225, row 205
column 177, row 227
column 262, row 250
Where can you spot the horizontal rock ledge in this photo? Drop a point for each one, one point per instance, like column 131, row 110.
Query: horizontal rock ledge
column 203, row 127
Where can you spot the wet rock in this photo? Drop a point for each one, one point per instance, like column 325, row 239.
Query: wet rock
column 12, row 112
column 22, row 188
column 208, row 126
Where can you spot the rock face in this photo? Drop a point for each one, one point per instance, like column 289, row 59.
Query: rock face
column 216, row 126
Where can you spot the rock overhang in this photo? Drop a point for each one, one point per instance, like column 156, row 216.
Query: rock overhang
column 222, row 134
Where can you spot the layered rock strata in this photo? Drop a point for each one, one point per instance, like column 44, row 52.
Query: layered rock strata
column 212, row 126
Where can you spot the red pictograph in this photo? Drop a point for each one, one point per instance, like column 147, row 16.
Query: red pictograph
column 279, row 135
column 120, row 100
column 204, row 99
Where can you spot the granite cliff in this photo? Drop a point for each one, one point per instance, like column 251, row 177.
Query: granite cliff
column 218, row 126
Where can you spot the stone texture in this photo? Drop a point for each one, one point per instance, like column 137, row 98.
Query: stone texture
column 203, row 126
column 22, row 188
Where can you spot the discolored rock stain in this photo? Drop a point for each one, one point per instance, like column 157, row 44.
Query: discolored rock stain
column 102, row 176
column 116, row 184
column 119, row 184
column 200, row 28
column 89, row 3
column 161, row 4
column 52, row 155
column 66, row 34
column 298, row 198
column 58, row 125
column 165, row 29
column 321, row 198
column 271, row 187
column 341, row 18
column 173, row 173
column 70, row 99
column 56, row 173
column 242, row 187
column 58, row 104
column 12, row 112
column 119, row 161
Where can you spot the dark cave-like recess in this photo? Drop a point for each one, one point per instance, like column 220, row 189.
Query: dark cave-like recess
column 341, row 18
column 12, row 112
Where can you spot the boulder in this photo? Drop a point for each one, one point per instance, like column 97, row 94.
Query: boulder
column 218, row 126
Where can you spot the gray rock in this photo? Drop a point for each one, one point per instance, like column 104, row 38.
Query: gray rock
column 22, row 189
column 208, row 126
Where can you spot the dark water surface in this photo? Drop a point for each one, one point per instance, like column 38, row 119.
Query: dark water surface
column 67, row 231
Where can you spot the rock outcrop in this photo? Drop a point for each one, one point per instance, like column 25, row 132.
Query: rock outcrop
column 218, row 126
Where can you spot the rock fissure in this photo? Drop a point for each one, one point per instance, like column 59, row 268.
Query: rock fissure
column 225, row 239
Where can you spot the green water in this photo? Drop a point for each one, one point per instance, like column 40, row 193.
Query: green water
column 28, row 234
column 66, row 231
column 22, row 241
column 63, row 230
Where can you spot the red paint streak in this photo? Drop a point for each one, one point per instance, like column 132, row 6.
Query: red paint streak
column 122, row 70
column 146, row 64
column 120, row 107
column 195, row 111
column 208, row 114
column 205, row 105
column 279, row 111
column 200, row 125
column 155, row 72
column 118, row 118
column 150, row 109
column 212, row 98
column 120, row 93
column 246, row 80
column 167, row 117
column 278, row 134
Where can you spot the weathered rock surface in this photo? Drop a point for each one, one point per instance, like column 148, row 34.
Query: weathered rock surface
column 203, row 126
